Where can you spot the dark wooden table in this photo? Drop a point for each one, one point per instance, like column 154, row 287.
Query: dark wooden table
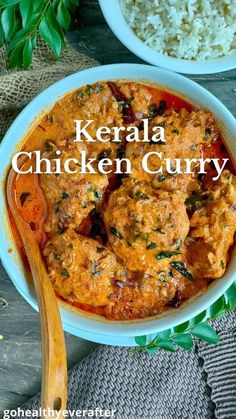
column 20, row 359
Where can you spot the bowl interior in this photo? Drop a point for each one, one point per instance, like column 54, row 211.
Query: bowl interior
column 114, row 16
column 93, row 327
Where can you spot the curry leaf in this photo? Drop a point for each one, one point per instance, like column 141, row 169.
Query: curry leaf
column 33, row 40
column 167, row 345
column 23, row 21
column 16, row 56
column 1, row 33
column 231, row 295
column 163, row 335
column 25, row 10
column 22, row 35
column 185, row 341
column 205, row 332
column 181, row 335
column 9, row 2
column 218, row 308
column 198, row 319
column 63, row 16
column 141, row 340
column 152, row 350
column 27, row 54
column 19, row 38
column 8, row 21
column 181, row 328
column 54, row 24
column 17, row 26
column 51, row 37
column 38, row 6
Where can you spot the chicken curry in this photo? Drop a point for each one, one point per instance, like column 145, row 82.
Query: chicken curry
column 129, row 246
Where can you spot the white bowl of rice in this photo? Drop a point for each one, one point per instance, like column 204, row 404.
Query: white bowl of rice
column 186, row 36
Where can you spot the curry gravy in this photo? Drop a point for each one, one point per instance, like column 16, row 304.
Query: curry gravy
column 130, row 246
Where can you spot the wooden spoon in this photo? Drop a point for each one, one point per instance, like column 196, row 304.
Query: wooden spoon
column 54, row 362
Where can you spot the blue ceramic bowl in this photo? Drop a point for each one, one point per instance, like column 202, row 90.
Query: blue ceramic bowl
column 115, row 18
column 88, row 326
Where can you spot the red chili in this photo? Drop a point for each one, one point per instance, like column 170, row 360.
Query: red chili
column 176, row 301
column 127, row 110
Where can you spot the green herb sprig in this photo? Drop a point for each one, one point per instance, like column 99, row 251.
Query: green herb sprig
column 23, row 21
column 183, row 336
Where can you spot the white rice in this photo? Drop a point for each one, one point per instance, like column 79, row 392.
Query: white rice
column 189, row 29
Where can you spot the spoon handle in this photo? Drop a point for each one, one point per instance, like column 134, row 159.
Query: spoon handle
column 54, row 362
column 54, row 376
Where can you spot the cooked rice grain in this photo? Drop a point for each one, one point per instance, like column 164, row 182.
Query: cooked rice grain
column 189, row 29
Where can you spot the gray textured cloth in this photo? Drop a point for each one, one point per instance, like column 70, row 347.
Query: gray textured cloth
column 200, row 384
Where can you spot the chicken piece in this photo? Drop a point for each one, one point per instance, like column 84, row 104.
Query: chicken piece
column 140, row 97
column 185, row 134
column 146, row 227
column 81, row 270
column 213, row 228
column 70, row 196
column 145, row 295
column 90, row 103
column 97, row 104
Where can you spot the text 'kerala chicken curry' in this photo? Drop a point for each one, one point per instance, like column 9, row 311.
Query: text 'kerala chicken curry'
column 129, row 247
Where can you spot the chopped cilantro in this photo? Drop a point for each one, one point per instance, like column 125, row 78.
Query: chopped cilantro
column 113, row 230
column 80, row 94
column 167, row 254
column 139, row 196
column 161, row 178
column 95, row 268
column 60, row 228
column 88, row 89
column 65, row 195
column 207, row 133
column 152, row 245
column 178, row 244
column 65, row 274
column 48, row 146
column 179, row 267
column 57, row 206
column 159, row 230
column 126, row 103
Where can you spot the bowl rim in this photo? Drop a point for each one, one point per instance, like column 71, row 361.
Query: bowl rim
column 113, row 14
column 44, row 101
